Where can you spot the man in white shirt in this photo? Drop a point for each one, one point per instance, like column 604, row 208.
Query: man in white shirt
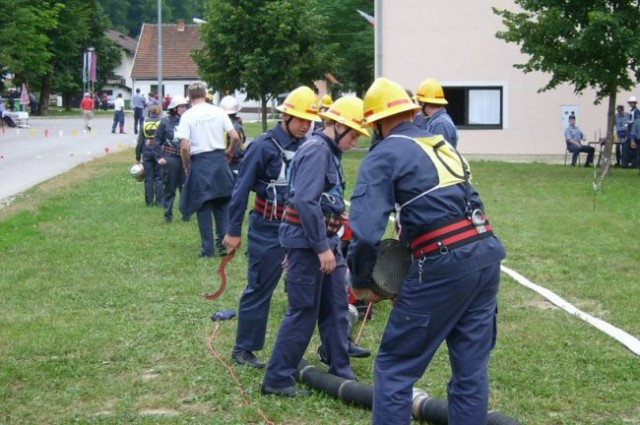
column 118, row 114
column 209, row 183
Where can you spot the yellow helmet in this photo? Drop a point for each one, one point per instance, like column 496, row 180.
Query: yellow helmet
column 430, row 91
column 301, row 103
column 326, row 101
column 347, row 110
column 385, row 98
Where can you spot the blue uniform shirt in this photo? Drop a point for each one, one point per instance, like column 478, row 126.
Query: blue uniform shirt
column 395, row 171
column 441, row 123
column 316, row 188
column 573, row 132
column 259, row 172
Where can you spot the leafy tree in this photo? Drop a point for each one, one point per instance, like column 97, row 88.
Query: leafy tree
column 264, row 47
column 587, row 43
column 24, row 27
column 67, row 41
column 355, row 38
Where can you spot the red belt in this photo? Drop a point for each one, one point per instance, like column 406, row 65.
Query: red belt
column 169, row 149
column 451, row 236
column 267, row 209
column 333, row 221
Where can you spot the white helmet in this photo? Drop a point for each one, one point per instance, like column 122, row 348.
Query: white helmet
column 230, row 105
column 632, row 99
column 177, row 101
column 137, row 172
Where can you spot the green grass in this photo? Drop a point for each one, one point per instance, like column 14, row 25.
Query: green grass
column 104, row 320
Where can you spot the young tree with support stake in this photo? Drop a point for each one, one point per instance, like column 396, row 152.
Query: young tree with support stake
column 586, row 43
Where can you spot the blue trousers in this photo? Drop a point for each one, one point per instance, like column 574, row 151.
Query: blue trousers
column 138, row 119
column 118, row 119
column 152, row 181
column 218, row 209
column 314, row 297
column 265, row 257
column 460, row 310
column 173, row 179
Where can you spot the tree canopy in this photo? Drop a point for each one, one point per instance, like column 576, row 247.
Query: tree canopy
column 264, row 47
column 586, row 43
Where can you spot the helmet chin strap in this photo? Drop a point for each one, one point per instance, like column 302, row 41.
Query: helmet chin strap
column 377, row 128
column 286, row 125
column 340, row 136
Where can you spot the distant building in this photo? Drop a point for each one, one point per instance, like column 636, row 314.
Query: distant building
column 178, row 70
column 496, row 107
column 121, row 81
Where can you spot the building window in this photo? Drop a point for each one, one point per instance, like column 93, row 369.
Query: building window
column 154, row 89
column 475, row 107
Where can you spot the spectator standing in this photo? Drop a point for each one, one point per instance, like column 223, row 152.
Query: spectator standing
column 87, row 106
column 430, row 97
column 309, row 234
column 264, row 171
column 209, row 181
column 166, row 102
column 635, row 144
column 173, row 172
column 150, row 152
column 139, row 103
column 118, row 114
column 622, row 132
column 632, row 150
column 153, row 100
column 450, row 292
column 574, row 137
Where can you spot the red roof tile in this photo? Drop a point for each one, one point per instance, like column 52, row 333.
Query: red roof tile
column 176, row 52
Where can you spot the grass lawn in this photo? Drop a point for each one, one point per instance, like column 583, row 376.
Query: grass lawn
column 104, row 320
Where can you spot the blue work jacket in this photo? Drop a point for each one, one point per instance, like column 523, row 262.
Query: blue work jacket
column 316, row 188
column 397, row 172
column 261, row 171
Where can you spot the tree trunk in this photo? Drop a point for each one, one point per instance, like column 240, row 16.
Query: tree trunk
column 611, row 126
column 263, row 104
column 45, row 94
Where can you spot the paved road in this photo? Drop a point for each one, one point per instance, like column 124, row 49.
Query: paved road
column 50, row 147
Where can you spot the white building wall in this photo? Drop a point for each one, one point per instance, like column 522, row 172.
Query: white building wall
column 454, row 42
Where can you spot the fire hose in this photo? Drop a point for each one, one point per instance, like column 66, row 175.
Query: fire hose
column 424, row 407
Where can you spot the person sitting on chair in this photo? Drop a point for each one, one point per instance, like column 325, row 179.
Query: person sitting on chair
column 574, row 137
column 4, row 116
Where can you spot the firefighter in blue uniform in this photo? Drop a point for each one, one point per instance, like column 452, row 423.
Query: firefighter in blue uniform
column 231, row 106
column 434, row 118
column 263, row 171
column 173, row 175
column 316, row 267
column 149, row 152
column 450, row 292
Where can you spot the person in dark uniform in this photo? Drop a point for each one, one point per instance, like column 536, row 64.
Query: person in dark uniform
column 209, row 182
column 150, row 152
column 173, row 174
column 231, row 106
column 434, row 118
column 264, row 171
column 450, row 292
column 316, row 269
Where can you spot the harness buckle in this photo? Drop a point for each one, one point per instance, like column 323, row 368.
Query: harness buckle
column 269, row 212
column 479, row 220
